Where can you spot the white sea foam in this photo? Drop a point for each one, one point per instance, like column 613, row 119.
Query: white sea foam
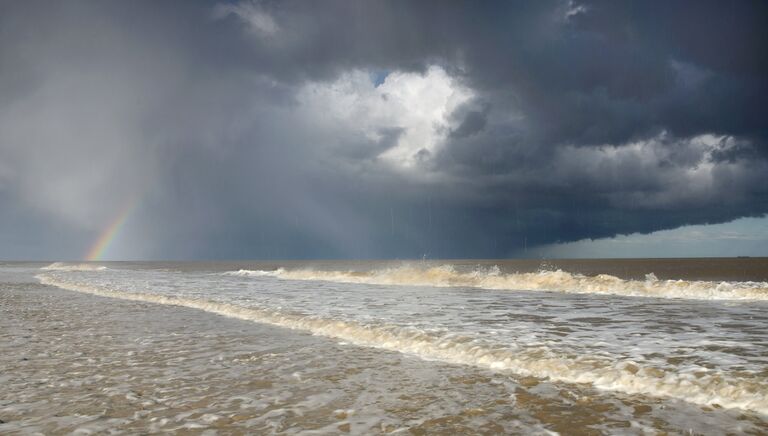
column 555, row 281
column 748, row 391
column 62, row 266
column 254, row 273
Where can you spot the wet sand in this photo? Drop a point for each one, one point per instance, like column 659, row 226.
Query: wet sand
column 80, row 363
column 74, row 362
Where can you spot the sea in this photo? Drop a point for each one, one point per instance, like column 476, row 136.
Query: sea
column 620, row 346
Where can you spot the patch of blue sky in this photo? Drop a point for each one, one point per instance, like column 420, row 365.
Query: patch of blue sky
column 378, row 77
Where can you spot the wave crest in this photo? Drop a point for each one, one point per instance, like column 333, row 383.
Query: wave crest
column 62, row 266
column 253, row 273
column 553, row 281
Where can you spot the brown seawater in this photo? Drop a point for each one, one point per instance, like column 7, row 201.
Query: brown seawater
column 647, row 346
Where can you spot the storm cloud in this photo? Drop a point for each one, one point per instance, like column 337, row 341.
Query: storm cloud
column 296, row 129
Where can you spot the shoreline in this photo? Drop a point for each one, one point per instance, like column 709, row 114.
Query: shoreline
column 79, row 362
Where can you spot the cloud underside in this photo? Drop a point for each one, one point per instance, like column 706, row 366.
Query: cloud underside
column 380, row 129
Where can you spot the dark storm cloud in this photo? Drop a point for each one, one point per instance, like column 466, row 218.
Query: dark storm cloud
column 376, row 129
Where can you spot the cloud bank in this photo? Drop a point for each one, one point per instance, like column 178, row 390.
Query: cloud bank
column 253, row 129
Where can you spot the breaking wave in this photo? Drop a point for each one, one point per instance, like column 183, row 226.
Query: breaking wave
column 62, row 266
column 695, row 385
column 554, row 281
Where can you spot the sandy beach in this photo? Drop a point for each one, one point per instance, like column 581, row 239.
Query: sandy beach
column 79, row 363
column 86, row 364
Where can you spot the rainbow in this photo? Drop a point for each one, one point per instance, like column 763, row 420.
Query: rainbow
column 110, row 232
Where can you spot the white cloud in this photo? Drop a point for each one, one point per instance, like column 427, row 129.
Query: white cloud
column 416, row 105
column 258, row 21
column 572, row 9
column 685, row 171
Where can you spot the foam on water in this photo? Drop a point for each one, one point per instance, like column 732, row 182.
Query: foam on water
column 748, row 391
column 63, row 266
column 553, row 281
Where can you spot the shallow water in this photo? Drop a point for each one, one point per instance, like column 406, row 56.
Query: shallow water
column 529, row 351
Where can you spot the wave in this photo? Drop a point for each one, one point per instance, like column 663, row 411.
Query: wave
column 62, row 266
column 554, row 281
column 692, row 385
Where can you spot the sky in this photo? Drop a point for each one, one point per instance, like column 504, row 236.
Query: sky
column 382, row 129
